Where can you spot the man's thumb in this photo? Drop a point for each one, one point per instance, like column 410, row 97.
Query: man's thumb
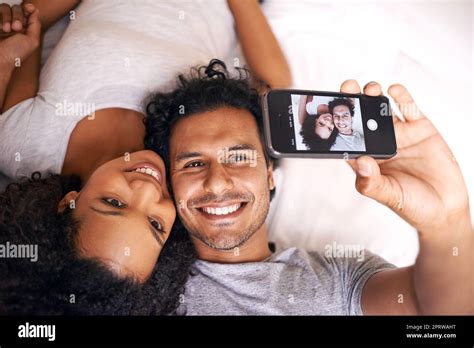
column 371, row 183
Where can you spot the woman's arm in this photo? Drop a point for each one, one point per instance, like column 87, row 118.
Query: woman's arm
column 52, row 10
column 6, row 70
column 304, row 99
column 18, row 49
column 24, row 80
column 260, row 46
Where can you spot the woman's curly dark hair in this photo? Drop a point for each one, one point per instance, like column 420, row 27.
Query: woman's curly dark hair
column 62, row 283
column 205, row 89
column 312, row 140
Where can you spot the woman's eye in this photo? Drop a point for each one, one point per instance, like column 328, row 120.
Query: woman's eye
column 114, row 202
column 157, row 226
column 194, row 165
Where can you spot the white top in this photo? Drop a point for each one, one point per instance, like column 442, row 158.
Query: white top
column 113, row 54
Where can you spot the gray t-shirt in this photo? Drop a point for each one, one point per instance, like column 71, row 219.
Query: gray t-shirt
column 292, row 282
column 354, row 142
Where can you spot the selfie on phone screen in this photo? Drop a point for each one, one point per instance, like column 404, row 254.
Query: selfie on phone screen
column 328, row 124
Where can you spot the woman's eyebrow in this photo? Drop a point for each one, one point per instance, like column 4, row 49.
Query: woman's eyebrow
column 107, row 212
column 121, row 214
column 158, row 239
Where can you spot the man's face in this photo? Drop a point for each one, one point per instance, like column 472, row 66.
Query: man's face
column 220, row 179
column 342, row 119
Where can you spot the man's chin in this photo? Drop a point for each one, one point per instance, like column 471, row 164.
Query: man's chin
column 223, row 240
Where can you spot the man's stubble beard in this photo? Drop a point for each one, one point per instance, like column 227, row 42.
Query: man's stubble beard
column 234, row 239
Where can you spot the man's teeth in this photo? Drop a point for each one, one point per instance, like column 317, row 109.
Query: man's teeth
column 222, row 210
column 148, row 171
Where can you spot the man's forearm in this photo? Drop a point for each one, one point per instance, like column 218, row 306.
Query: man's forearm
column 260, row 46
column 444, row 272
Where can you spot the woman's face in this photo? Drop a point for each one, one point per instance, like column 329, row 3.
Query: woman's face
column 324, row 126
column 125, row 214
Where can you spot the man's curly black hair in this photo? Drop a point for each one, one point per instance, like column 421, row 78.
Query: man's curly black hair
column 312, row 140
column 341, row 101
column 205, row 89
column 62, row 283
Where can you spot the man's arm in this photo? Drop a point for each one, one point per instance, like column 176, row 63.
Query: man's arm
column 260, row 46
column 423, row 184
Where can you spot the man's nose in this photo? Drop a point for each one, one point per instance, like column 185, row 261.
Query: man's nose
column 218, row 180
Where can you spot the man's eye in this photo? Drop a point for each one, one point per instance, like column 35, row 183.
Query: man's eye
column 194, row 165
column 114, row 202
column 157, row 226
column 237, row 158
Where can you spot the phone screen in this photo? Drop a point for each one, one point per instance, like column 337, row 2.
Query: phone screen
column 326, row 123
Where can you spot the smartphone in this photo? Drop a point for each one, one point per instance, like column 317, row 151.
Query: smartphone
column 300, row 123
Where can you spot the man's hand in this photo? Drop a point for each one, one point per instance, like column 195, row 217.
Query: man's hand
column 424, row 185
column 423, row 182
column 20, row 36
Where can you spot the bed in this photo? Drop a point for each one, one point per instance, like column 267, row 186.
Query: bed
column 425, row 45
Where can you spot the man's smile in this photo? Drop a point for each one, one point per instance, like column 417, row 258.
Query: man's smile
column 223, row 210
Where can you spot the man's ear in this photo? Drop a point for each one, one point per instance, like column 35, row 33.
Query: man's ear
column 271, row 182
column 68, row 199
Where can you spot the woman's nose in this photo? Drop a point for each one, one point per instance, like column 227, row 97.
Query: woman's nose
column 144, row 191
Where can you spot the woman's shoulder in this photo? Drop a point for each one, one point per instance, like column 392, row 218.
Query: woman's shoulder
column 33, row 138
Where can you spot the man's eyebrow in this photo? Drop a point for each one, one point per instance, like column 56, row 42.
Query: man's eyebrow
column 186, row 155
column 107, row 212
column 241, row 147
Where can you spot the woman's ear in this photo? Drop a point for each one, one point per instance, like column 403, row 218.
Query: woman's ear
column 68, row 201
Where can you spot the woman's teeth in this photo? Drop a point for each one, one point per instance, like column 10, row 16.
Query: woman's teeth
column 148, row 171
column 222, row 210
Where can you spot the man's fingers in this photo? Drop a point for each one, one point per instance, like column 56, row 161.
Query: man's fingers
column 5, row 17
column 371, row 183
column 350, row 86
column 17, row 18
column 373, row 89
column 405, row 103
